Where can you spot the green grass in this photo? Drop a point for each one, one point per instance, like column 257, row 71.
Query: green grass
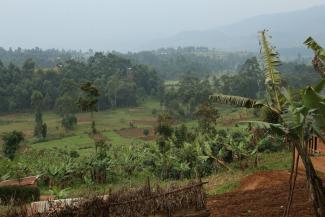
column 228, row 187
column 106, row 123
column 219, row 183
column 109, row 121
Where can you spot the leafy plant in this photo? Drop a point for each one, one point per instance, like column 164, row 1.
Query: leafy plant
column 11, row 143
column 297, row 119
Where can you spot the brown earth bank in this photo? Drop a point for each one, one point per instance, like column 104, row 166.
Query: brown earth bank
column 136, row 133
column 262, row 202
column 263, row 194
column 267, row 179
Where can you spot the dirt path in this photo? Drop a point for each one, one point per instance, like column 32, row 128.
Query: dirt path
column 261, row 202
column 264, row 194
column 266, row 179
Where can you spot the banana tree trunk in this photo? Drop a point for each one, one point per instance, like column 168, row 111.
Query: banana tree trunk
column 315, row 184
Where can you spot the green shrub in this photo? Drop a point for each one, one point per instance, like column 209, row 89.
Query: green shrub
column 11, row 143
column 154, row 112
column 270, row 144
column 69, row 122
column 146, row 132
column 18, row 194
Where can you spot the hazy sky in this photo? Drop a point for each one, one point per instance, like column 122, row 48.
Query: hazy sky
column 112, row 24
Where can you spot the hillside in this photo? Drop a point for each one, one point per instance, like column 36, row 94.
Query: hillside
column 289, row 30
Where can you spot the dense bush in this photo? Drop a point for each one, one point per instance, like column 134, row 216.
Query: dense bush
column 270, row 144
column 18, row 194
column 11, row 143
column 69, row 122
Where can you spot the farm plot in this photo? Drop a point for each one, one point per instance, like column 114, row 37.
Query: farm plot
column 136, row 133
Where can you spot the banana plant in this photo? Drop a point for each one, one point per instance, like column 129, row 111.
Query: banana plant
column 319, row 59
column 297, row 121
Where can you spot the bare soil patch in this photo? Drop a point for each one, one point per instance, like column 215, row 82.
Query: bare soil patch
column 136, row 133
column 266, row 202
column 267, row 179
column 84, row 119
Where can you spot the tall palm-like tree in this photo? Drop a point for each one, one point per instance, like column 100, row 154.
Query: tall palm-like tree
column 297, row 120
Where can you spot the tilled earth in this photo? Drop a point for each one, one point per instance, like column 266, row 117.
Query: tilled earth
column 262, row 202
column 269, row 202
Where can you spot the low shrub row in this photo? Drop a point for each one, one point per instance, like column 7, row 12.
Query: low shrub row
column 18, row 194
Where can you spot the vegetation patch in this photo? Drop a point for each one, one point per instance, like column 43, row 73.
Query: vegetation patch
column 136, row 133
column 18, row 194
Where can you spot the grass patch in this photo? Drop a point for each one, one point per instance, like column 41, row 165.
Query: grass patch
column 228, row 187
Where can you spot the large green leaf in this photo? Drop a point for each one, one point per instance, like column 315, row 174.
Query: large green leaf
column 318, row 50
column 272, row 75
column 320, row 86
column 315, row 103
column 273, row 128
column 234, row 100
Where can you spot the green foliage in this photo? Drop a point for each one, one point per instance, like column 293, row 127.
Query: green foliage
column 246, row 83
column 40, row 129
column 119, row 81
column 89, row 98
column 182, row 101
column 66, row 104
column 18, row 194
column 173, row 63
column 319, row 59
column 234, row 100
column 270, row 144
column 164, row 125
column 69, row 122
column 273, row 80
column 59, row 193
column 269, row 115
column 145, row 132
column 11, row 143
column 44, row 130
column 38, row 124
column 207, row 116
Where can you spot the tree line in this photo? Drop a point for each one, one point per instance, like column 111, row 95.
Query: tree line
column 172, row 63
column 120, row 83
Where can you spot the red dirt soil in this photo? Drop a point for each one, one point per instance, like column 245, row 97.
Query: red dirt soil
column 265, row 194
column 269, row 179
column 262, row 202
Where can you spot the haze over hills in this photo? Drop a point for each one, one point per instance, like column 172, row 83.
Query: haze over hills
column 288, row 29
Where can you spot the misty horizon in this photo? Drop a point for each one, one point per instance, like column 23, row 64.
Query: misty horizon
column 125, row 25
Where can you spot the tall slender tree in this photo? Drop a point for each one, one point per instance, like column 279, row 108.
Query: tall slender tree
column 88, row 101
column 37, row 102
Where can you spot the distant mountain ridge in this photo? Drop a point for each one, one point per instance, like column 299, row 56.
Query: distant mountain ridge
column 289, row 30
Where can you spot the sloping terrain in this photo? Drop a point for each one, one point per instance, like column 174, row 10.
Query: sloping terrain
column 265, row 194
column 266, row 202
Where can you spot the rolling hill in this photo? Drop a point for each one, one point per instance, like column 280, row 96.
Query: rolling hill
column 288, row 29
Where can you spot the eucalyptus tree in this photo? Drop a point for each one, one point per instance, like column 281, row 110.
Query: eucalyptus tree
column 298, row 118
column 40, row 129
column 88, row 101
